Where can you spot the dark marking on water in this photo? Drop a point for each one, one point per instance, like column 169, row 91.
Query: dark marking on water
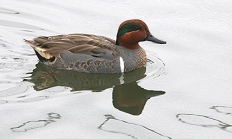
column 132, row 125
column 37, row 124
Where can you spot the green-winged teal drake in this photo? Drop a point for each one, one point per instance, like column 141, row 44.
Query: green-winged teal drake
column 96, row 54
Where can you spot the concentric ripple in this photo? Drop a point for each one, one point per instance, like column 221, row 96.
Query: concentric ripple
column 155, row 67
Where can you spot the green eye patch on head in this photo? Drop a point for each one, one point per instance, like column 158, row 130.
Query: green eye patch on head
column 128, row 27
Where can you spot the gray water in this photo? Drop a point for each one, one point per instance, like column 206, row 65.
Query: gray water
column 183, row 92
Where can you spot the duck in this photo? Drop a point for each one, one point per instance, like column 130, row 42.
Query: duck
column 96, row 54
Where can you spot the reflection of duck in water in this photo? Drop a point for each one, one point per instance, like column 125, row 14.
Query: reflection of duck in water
column 131, row 98
column 46, row 77
column 127, row 95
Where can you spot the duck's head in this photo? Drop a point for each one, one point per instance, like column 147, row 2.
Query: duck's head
column 131, row 32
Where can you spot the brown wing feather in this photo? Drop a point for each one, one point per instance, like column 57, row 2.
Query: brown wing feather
column 75, row 43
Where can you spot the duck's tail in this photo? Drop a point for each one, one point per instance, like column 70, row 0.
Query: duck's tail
column 40, row 52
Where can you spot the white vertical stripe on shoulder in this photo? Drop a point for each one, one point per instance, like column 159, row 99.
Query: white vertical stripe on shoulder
column 121, row 64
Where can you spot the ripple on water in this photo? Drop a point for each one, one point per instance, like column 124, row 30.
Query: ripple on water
column 155, row 67
column 7, row 11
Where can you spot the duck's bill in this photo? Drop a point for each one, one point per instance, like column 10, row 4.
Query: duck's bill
column 151, row 38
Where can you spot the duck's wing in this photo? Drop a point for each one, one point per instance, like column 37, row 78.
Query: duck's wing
column 92, row 45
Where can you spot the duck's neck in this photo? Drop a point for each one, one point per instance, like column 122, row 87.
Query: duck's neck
column 131, row 46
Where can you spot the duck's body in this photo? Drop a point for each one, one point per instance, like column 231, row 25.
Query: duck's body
column 96, row 54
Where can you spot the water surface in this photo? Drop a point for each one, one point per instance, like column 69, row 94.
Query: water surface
column 183, row 92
